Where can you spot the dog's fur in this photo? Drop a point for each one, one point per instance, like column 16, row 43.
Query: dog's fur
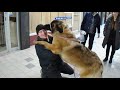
column 64, row 43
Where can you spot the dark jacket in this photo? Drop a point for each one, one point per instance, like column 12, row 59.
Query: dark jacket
column 51, row 64
column 107, row 29
column 51, row 58
column 87, row 22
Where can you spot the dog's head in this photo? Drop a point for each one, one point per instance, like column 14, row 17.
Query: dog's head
column 57, row 25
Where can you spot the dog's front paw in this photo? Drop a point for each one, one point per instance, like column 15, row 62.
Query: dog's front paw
column 40, row 42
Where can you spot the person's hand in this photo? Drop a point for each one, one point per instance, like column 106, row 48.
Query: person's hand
column 98, row 35
column 103, row 45
column 83, row 32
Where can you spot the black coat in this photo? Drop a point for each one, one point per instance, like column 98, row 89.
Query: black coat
column 107, row 29
column 46, row 57
column 87, row 21
column 51, row 64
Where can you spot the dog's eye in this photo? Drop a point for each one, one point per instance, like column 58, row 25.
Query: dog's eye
column 59, row 24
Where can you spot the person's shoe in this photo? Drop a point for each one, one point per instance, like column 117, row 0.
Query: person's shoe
column 110, row 61
column 105, row 59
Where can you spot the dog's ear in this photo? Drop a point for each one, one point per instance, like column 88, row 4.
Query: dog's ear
column 52, row 27
column 59, row 28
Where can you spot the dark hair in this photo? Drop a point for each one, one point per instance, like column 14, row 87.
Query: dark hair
column 39, row 27
column 47, row 27
column 114, row 25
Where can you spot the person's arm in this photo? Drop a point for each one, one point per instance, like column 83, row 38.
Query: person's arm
column 106, row 26
column 40, row 51
column 43, row 53
column 98, row 26
column 46, row 57
column 84, row 21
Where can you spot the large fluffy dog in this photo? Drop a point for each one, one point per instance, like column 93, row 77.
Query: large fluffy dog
column 64, row 43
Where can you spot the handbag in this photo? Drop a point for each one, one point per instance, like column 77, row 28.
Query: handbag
column 81, row 38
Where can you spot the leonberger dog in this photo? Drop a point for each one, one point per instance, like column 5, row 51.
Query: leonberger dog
column 73, row 52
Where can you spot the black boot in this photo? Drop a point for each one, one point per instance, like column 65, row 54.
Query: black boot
column 112, row 55
column 110, row 61
column 105, row 59
column 107, row 53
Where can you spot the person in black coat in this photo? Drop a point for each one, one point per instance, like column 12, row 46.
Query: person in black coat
column 51, row 64
column 111, row 35
column 90, row 23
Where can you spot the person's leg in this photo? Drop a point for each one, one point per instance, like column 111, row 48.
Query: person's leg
column 51, row 72
column 91, row 39
column 54, row 75
column 43, row 74
column 107, row 52
column 66, row 69
column 112, row 52
column 85, row 39
column 51, row 75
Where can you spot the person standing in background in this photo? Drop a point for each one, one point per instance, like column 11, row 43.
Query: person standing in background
column 90, row 23
column 112, row 35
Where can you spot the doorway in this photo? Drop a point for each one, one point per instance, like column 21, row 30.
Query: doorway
column 9, row 31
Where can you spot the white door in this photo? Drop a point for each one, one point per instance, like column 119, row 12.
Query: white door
column 11, row 30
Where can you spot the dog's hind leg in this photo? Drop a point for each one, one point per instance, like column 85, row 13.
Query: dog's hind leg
column 85, row 74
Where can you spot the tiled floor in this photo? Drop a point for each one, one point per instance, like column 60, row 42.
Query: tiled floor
column 20, row 64
column 25, row 64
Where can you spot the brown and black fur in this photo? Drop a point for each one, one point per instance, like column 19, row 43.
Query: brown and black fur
column 71, row 51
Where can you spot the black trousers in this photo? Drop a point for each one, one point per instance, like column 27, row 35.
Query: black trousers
column 50, row 74
column 109, row 44
column 66, row 69
column 91, row 39
column 55, row 71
